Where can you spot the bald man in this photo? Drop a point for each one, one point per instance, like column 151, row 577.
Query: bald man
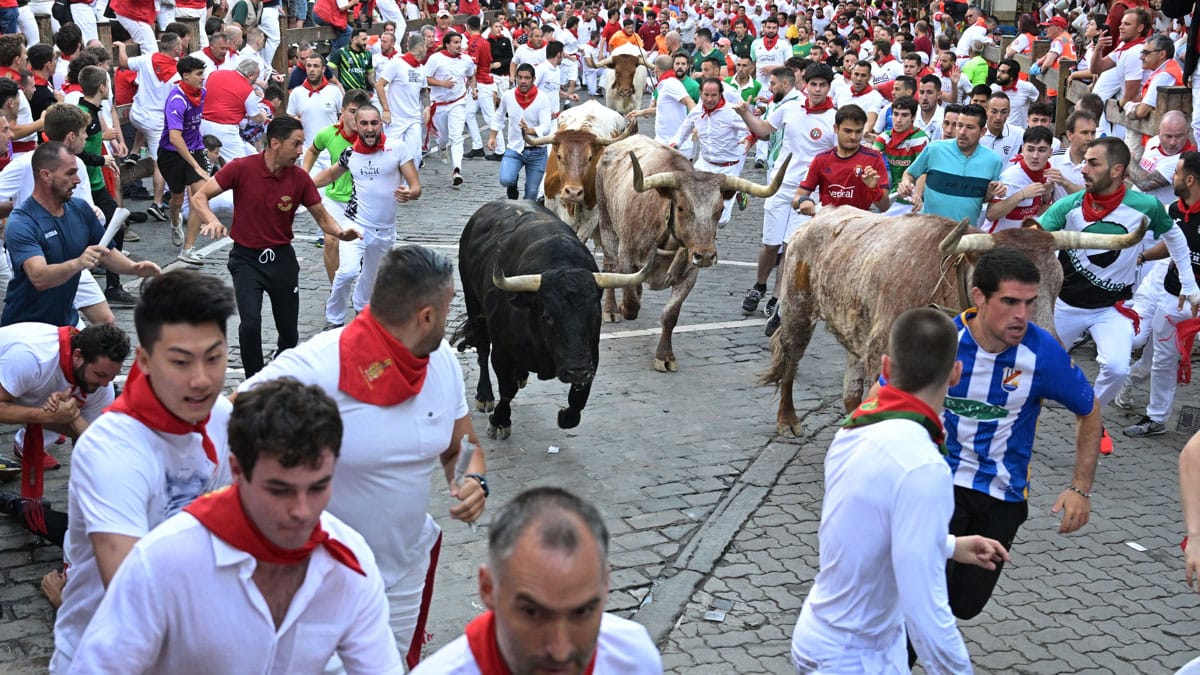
column 1154, row 162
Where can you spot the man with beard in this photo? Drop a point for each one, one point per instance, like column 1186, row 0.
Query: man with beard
column 720, row 133
column 671, row 103
column 353, row 65
column 383, row 173
column 960, row 174
column 547, row 567
column 398, row 90
column 399, row 390
column 451, row 77
column 522, row 109
column 319, row 102
column 532, row 52
column 1021, row 93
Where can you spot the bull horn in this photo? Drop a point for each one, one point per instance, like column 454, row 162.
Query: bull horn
column 630, row 129
column 658, row 180
column 538, row 140
column 950, row 244
column 1102, row 242
column 613, row 280
column 604, row 62
column 524, row 283
column 756, row 189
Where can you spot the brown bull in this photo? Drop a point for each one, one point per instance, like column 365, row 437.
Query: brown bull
column 626, row 78
column 668, row 214
column 582, row 134
column 859, row 271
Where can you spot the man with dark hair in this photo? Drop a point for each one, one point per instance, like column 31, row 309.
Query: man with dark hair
column 999, row 136
column 962, row 176
column 52, row 237
column 42, row 62
column 522, row 109
column 269, row 187
column 451, row 77
column 1065, row 165
column 720, row 135
column 274, row 545
column 323, row 151
column 68, row 41
column 547, row 549
column 930, row 110
column 181, row 158
column 157, row 75
column 1029, row 191
column 160, row 445
column 352, row 65
column 884, row 541
column 398, row 89
column 1021, row 93
column 847, row 174
column 24, row 127
column 400, row 392
column 900, row 145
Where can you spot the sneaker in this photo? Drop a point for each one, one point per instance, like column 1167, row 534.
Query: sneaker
column 772, row 305
column 512, row 193
column 130, row 160
column 189, row 256
column 329, row 325
column 1145, row 427
column 1124, row 399
column 131, row 236
column 743, row 200
column 759, row 164
column 138, row 217
column 48, row 461
column 773, row 324
column 319, row 242
column 11, row 503
column 477, row 153
column 177, row 234
column 750, row 303
column 10, row 468
column 1106, row 444
column 494, row 157
column 457, row 180
column 119, row 297
column 158, row 211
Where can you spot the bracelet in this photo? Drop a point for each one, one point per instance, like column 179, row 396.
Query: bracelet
column 1086, row 495
column 807, row 198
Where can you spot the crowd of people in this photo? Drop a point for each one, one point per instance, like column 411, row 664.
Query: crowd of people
column 887, row 107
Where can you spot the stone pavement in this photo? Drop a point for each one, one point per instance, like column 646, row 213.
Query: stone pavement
column 705, row 503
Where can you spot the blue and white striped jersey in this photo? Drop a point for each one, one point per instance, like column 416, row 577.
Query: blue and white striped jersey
column 991, row 414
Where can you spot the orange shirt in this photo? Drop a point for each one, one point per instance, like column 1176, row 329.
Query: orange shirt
column 619, row 38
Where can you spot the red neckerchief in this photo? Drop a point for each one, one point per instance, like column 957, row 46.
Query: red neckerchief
column 1185, row 337
column 39, row 81
column 525, row 100
column 895, row 141
column 770, row 43
column 1035, row 176
column 364, row 149
column 1188, row 211
column 481, row 638
column 375, row 367
column 447, row 54
column 213, row 57
column 138, row 401
column 1131, row 314
column 1012, row 88
column 980, row 22
column 311, row 89
column 893, row 404
column 411, row 60
column 194, row 94
column 1096, row 208
column 1123, row 47
column 65, row 333
column 222, row 513
column 574, row 32
column 69, row 87
column 388, row 54
column 10, row 73
column 888, row 58
column 164, row 66
column 811, row 109
column 864, row 92
column 351, row 137
column 720, row 104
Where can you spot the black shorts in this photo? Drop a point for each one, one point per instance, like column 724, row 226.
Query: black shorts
column 177, row 172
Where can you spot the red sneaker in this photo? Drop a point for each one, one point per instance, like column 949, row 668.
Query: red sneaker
column 1106, row 444
column 48, row 461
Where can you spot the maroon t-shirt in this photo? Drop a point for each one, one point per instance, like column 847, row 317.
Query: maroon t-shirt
column 266, row 202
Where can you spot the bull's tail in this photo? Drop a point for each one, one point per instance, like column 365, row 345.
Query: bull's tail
column 464, row 333
column 796, row 309
column 783, row 365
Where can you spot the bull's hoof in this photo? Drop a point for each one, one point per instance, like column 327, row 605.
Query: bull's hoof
column 612, row 317
column 522, row 382
column 668, row 366
column 630, row 314
column 499, row 433
column 792, row 429
column 485, row 406
column 568, row 418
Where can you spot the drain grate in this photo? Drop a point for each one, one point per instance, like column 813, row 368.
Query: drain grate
column 1189, row 419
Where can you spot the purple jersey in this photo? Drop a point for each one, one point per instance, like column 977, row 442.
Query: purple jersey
column 182, row 116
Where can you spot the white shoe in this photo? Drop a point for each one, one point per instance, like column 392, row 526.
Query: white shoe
column 190, row 257
column 1124, row 399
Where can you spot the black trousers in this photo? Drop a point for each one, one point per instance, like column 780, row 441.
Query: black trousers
column 56, row 523
column 273, row 271
column 109, row 206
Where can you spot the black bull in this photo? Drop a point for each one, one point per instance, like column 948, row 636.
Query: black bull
column 532, row 292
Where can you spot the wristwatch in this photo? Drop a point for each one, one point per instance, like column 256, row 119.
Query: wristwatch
column 482, row 483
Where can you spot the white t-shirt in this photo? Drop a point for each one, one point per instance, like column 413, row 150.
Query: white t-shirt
column 1070, row 170
column 126, row 479
column 374, row 178
column 1020, row 97
column 870, row 101
column 886, row 72
column 316, row 109
column 547, row 77
column 1016, row 179
column 527, row 54
column 1128, row 66
column 30, row 370
column 210, row 66
column 403, row 84
column 182, row 592
column 622, row 648
column 25, row 116
column 151, row 95
column 457, row 70
column 384, row 475
column 971, row 34
column 1153, row 159
column 507, row 120
column 804, row 136
column 773, row 57
column 670, row 111
column 1007, row 144
column 16, row 180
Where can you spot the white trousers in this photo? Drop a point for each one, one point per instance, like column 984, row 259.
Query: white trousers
column 232, row 145
column 377, row 241
column 390, row 11
column 487, row 109
column 84, row 16
column 1160, row 356
column 780, row 220
column 141, row 33
column 201, row 15
column 350, row 259
column 449, row 121
column 29, row 28
column 268, row 21
column 734, row 170
column 411, row 134
column 473, row 122
column 1113, row 335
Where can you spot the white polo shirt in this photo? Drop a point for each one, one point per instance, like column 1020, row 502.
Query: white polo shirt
column 547, row 77
column 30, row 370
column 151, row 96
column 527, row 54
column 670, row 112
column 403, row 85
column 507, row 120
column 1007, row 144
column 622, row 648
column 384, row 475
column 721, row 134
column 1070, row 170
column 182, row 592
column 126, row 479
column 316, row 109
column 457, row 70
column 1020, row 97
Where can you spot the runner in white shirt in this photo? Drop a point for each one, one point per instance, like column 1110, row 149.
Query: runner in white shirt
column 218, row 45
column 929, row 108
column 1030, row 191
column 1120, row 71
column 398, row 88
column 317, row 103
column 161, row 445
column 522, row 108
column 451, row 77
column 253, row 547
column 884, row 536
column 976, row 30
column 156, row 77
column 396, row 433
column 1021, row 93
column 549, row 77
column 532, row 52
column 862, row 94
column 1153, row 167
column 1065, row 167
column 547, row 549
column 383, row 173
column 999, row 136
column 768, row 52
column 721, row 134
column 670, row 105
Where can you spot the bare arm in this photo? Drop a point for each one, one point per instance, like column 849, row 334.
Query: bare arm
column 200, row 203
column 1189, row 499
column 13, row 413
column 330, row 226
column 329, row 175
column 757, row 126
column 311, row 154
column 470, row 493
column 1076, row 507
